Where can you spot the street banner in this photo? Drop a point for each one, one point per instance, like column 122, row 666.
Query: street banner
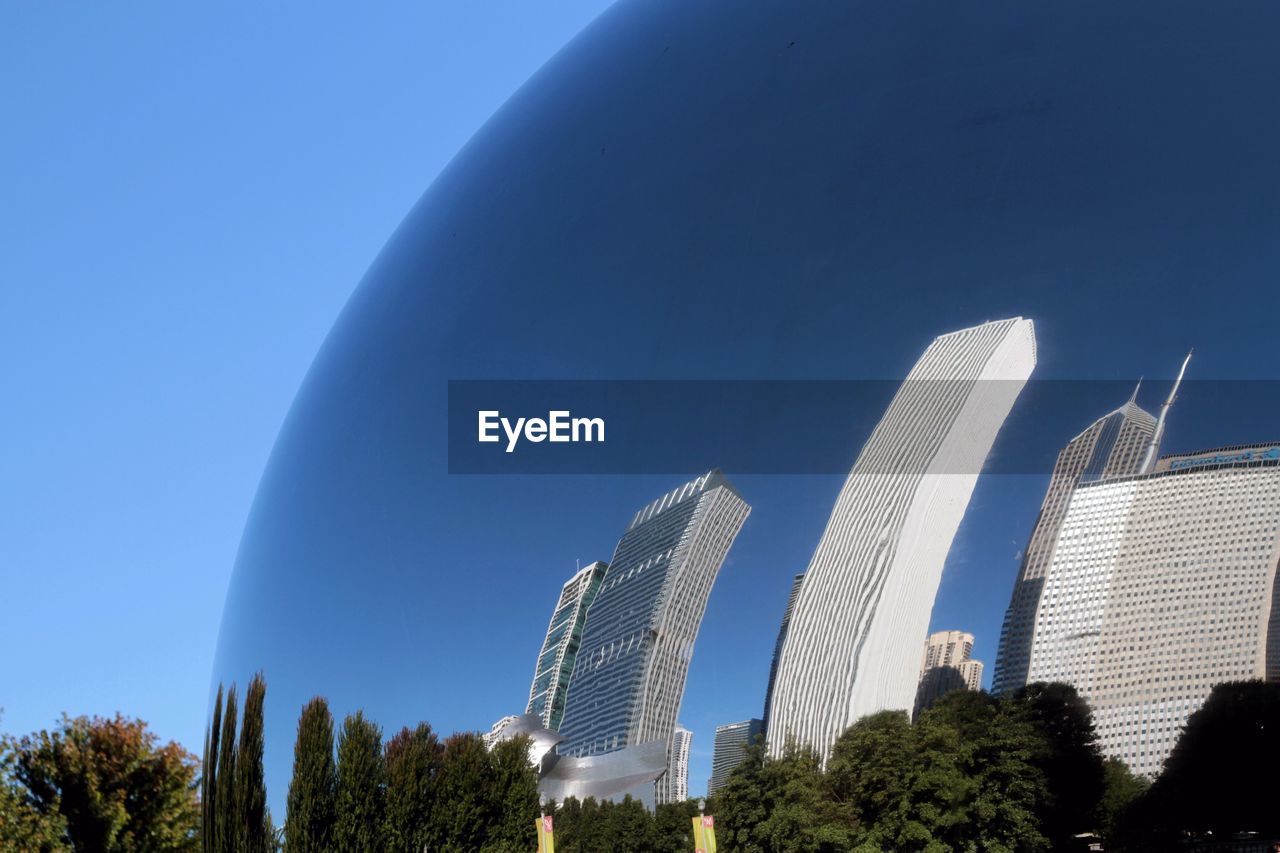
column 704, row 834
column 546, row 838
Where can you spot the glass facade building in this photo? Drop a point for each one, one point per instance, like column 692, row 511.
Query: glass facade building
column 731, row 743
column 629, row 679
column 853, row 643
column 560, row 648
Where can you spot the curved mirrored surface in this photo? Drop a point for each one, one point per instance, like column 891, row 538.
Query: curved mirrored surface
column 746, row 190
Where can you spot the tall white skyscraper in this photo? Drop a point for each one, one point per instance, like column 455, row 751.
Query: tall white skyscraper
column 853, row 643
column 628, row 681
column 673, row 786
column 1161, row 586
column 1112, row 446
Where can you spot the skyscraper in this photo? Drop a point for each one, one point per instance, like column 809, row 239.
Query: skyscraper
column 629, row 678
column 560, row 648
column 782, row 636
column 673, row 787
column 853, row 644
column 947, row 665
column 731, row 745
column 1161, row 586
column 1112, row 446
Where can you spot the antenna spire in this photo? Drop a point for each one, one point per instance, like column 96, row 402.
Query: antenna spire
column 1153, row 446
column 1133, row 398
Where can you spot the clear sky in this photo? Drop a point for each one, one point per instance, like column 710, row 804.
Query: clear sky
column 188, row 195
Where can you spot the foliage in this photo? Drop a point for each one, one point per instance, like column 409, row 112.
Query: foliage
column 1216, row 779
column 209, row 778
column 253, row 826
column 312, row 802
column 413, row 759
column 1121, row 788
column 1071, row 759
column 99, row 784
column 361, row 789
column 224, row 804
column 513, row 797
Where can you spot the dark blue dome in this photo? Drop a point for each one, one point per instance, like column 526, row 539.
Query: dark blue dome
column 740, row 189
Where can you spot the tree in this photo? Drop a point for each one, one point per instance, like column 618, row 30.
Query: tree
column 209, row 778
column 413, row 759
column 22, row 825
column 513, row 797
column 312, row 803
column 1120, row 790
column 108, row 785
column 461, row 816
column 627, row 826
column 253, row 827
column 224, row 803
column 673, row 822
column 1071, row 759
column 361, row 791
column 1216, row 779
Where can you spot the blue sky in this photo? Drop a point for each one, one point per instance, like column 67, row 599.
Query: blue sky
column 189, row 195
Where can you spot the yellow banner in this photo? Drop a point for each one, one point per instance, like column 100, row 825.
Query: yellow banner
column 704, row 834
column 546, row 838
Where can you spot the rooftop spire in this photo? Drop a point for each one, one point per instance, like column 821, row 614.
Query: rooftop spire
column 1133, row 398
column 1153, row 446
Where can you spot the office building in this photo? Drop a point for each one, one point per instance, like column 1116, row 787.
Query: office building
column 853, row 643
column 731, row 745
column 673, row 786
column 1112, row 446
column 777, row 646
column 560, row 648
column 1161, row 586
column 947, row 665
column 629, row 677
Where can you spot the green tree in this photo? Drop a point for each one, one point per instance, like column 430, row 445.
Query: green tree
column 1071, row 759
column 110, row 784
column 1215, row 780
column 312, row 803
column 627, row 827
column 1121, row 788
column 413, row 758
column 461, row 814
column 209, row 778
column 224, row 803
column 361, row 791
column 673, row 822
column 253, row 827
column 22, row 825
column 513, row 798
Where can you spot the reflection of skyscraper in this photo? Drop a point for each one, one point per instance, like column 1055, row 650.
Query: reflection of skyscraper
column 777, row 646
column 629, row 678
column 853, row 643
column 673, row 787
column 731, row 745
column 560, row 648
column 1112, row 446
column 1161, row 586
column 947, row 665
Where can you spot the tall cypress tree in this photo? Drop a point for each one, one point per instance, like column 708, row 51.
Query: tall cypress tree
column 513, row 796
column 252, row 828
column 225, row 797
column 209, row 778
column 412, row 760
column 361, row 787
column 309, row 821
